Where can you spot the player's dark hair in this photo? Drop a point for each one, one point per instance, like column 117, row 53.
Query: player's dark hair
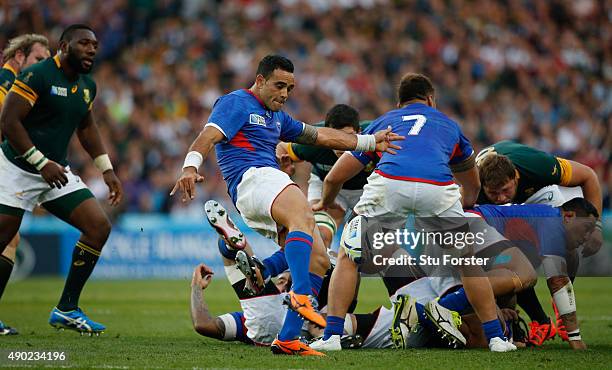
column 496, row 170
column 581, row 206
column 69, row 31
column 271, row 62
column 341, row 116
column 414, row 86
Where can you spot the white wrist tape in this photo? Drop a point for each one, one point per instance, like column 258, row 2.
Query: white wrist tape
column 599, row 225
column 365, row 143
column 34, row 157
column 565, row 300
column 193, row 159
column 231, row 329
column 103, row 163
column 574, row 335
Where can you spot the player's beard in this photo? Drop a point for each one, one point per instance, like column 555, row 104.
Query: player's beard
column 76, row 63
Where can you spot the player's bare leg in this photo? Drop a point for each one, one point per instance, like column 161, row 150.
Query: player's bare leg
column 9, row 240
column 89, row 218
column 341, row 293
column 512, row 277
column 304, row 252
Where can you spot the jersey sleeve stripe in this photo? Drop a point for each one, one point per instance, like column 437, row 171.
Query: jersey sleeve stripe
column 211, row 124
column 566, row 171
column 23, row 94
column 3, row 93
column 26, row 88
column 292, row 154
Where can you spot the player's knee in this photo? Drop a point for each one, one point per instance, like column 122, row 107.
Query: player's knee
column 304, row 221
column 98, row 231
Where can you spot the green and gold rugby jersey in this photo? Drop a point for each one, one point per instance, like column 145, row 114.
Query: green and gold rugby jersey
column 59, row 105
column 536, row 169
column 323, row 160
column 7, row 76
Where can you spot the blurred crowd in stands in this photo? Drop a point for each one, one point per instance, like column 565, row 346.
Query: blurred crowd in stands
column 539, row 72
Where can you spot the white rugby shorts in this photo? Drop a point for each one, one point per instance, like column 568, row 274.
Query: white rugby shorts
column 25, row 190
column 256, row 193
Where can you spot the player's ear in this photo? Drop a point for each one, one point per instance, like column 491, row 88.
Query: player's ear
column 431, row 101
column 20, row 57
column 63, row 47
column 260, row 80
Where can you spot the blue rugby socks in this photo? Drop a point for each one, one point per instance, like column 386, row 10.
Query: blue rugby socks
column 335, row 326
column 297, row 252
column 456, row 301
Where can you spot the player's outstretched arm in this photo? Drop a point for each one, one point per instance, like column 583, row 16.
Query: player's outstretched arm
column 562, row 291
column 90, row 139
column 345, row 168
column 203, row 322
column 466, row 174
column 586, row 178
column 198, row 151
column 331, row 138
column 15, row 109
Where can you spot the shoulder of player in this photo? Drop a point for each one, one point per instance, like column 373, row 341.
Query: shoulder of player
column 236, row 97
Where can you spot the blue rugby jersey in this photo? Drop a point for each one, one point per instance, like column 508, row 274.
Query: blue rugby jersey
column 433, row 143
column 251, row 133
column 536, row 225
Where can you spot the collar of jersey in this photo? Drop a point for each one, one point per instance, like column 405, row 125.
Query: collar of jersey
column 255, row 96
column 8, row 66
column 57, row 61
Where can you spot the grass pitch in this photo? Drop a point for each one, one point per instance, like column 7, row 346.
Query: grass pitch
column 149, row 327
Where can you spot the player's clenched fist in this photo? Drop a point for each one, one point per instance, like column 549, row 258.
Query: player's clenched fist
column 186, row 183
column 202, row 275
column 54, row 174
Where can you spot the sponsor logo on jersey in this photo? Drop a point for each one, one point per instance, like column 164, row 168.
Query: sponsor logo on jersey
column 554, row 171
column 256, row 119
column 278, row 124
column 59, row 91
column 86, row 96
column 74, row 88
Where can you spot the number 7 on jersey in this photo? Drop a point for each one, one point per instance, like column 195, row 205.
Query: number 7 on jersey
column 418, row 125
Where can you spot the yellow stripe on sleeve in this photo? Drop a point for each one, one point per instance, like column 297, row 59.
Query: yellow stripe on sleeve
column 3, row 93
column 26, row 88
column 291, row 153
column 566, row 171
column 19, row 91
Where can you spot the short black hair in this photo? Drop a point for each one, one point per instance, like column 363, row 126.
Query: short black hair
column 341, row 116
column 69, row 31
column 271, row 62
column 581, row 206
column 414, row 86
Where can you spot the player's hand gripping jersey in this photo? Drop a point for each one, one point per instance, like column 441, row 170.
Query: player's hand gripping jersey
column 433, row 144
column 251, row 132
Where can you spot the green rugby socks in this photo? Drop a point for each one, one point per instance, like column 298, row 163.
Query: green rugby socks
column 6, row 267
column 84, row 260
